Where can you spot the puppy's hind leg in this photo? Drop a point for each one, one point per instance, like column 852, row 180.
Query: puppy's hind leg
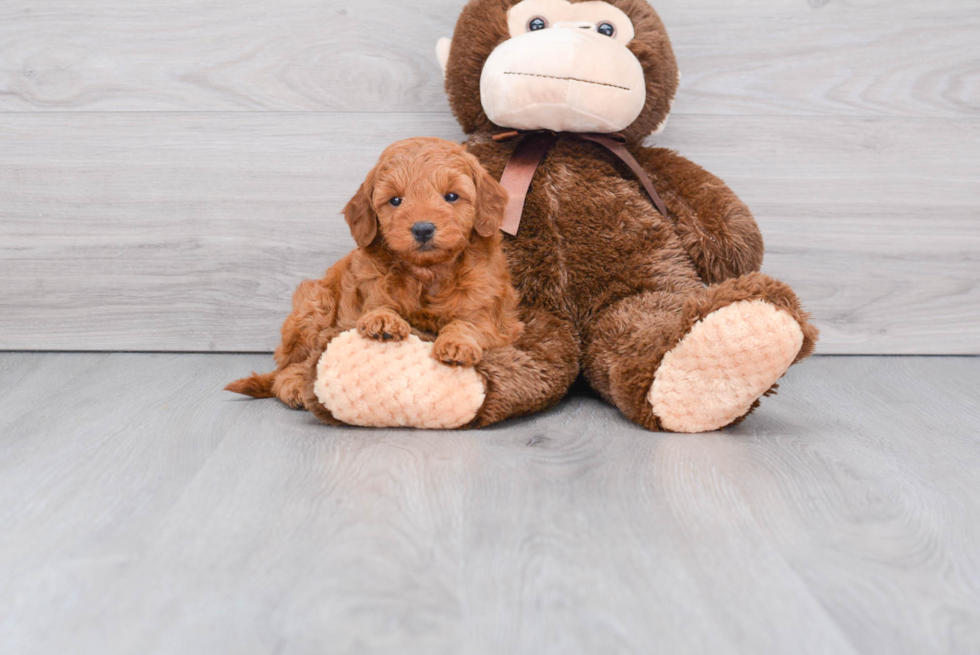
column 290, row 385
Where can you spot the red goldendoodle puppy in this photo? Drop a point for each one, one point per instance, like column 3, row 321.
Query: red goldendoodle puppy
column 426, row 222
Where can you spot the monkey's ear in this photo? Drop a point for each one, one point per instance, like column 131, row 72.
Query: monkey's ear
column 442, row 52
column 491, row 201
column 361, row 218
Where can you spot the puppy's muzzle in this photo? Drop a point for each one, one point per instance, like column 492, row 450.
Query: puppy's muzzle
column 423, row 232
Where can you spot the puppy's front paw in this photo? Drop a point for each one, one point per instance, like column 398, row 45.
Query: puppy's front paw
column 457, row 351
column 383, row 325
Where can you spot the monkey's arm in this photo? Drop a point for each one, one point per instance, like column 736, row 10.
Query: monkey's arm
column 715, row 227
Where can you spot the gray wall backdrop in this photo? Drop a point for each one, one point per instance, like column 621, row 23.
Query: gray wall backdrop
column 170, row 169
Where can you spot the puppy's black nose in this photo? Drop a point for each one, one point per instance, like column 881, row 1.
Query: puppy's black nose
column 423, row 232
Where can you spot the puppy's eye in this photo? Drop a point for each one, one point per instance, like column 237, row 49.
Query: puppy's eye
column 536, row 24
column 607, row 29
column 394, row 202
column 451, row 197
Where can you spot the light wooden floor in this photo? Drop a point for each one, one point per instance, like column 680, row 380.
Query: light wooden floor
column 142, row 510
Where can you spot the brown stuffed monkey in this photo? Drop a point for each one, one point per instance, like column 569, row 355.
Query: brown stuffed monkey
column 666, row 316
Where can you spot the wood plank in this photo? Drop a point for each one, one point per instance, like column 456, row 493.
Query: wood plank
column 822, row 58
column 189, row 232
column 154, row 227
column 154, row 513
column 874, row 223
column 753, row 57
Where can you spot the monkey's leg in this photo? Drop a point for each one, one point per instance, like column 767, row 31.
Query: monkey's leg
column 398, row 384
column 696, row 363
column 532, row 374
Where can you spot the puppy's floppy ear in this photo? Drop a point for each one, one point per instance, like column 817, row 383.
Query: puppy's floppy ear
column 360, row 216
column 491, row 200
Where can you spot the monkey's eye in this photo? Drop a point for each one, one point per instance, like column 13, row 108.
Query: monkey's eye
column 451, row 197
column 608, row 29
column 536, row 24
column 395, row 201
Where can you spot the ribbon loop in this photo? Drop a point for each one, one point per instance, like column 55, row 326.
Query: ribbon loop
column 532, row 149
column 518, row 175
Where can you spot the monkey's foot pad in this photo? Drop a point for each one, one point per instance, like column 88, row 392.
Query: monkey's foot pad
column 724, row 364
column 395, row 384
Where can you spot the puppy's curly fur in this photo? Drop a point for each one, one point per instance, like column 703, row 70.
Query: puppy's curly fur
column 456, row 284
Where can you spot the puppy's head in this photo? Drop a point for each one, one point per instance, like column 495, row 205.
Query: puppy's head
column 426, row 199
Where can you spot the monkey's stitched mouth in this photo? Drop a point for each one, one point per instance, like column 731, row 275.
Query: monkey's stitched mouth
column 569, row 79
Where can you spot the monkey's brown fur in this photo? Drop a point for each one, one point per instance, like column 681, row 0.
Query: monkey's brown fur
column 608, row 285
column 456, row 286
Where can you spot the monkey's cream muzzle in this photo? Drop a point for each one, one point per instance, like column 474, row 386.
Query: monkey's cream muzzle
column 567, row 78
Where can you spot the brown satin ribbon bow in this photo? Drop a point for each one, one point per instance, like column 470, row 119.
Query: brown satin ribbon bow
column 531, row 150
